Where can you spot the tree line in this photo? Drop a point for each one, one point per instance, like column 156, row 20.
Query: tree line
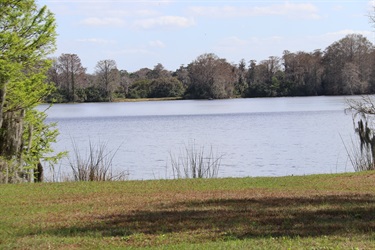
column 346, row 67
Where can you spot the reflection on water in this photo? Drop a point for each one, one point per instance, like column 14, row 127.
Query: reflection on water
column 258, row 137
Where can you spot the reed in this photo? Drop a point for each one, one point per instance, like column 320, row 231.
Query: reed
column 95, row 165
column 195, row 162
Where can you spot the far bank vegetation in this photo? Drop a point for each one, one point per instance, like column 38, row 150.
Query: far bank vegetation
column 346, row 67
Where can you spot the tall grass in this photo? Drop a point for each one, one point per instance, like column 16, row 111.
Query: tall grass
column 96, row 165
column 360, row 158
column 195, row 162
column 362, row 151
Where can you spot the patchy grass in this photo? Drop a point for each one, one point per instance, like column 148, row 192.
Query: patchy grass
column 300, row 212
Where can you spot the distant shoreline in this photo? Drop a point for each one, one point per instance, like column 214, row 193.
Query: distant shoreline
column 146, row 99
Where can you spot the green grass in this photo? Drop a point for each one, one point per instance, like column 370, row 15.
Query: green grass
column 300, row 212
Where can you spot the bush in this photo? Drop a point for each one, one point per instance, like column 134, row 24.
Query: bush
column 166, row 87
column 95, row 94
column 139, row 89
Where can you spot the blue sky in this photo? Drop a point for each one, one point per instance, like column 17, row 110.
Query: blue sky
column 139, row 34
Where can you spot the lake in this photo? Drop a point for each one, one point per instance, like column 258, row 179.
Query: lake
column 255, row 137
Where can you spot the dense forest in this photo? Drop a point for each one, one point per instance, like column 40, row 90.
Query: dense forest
column 346, row 67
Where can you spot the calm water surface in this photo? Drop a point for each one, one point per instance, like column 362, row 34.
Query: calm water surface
column 257, row 137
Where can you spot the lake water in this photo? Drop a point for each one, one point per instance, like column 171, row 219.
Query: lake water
column 256, row 137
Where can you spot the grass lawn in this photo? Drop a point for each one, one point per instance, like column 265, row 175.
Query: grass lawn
column 298, row 212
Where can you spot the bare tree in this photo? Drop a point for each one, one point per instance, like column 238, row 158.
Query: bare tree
column 108, row 76
column 304, row 71
column 351, row 80
column 124, row 83
column 354, row 49
column 182, row 75
column 263, row 78
column 372, row 16
column 158, row 72
column 211, row 77
column 141, row 74
column 53, row 73
column 72, row 73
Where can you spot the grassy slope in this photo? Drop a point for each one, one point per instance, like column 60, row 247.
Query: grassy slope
column 310, row 212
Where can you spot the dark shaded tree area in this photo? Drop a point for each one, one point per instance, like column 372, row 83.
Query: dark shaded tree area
column 346, row 67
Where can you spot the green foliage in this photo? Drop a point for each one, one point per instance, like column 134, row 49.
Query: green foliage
column 197, row 91
column 27, row 33
column 93, row 94
column 57, row 95
column 258, row 90
column 27, row 36
column 240, row 87
column 166, row 87
column 28, row 89
column 139, row 89
column 38, row 140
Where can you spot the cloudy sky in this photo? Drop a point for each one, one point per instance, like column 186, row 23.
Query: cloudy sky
column 138, row 34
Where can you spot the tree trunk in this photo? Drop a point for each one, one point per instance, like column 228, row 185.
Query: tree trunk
column 11, row 145
column 31, row 175
column 2, row 101
column 38, row 173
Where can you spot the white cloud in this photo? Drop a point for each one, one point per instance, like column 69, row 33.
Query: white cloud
column 95, row 21
column 295, row 10
column 157, row 44
column 96, row 41
column 164, row 21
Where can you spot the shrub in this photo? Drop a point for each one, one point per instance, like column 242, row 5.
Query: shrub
column 139, row 89
column 166, row 87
